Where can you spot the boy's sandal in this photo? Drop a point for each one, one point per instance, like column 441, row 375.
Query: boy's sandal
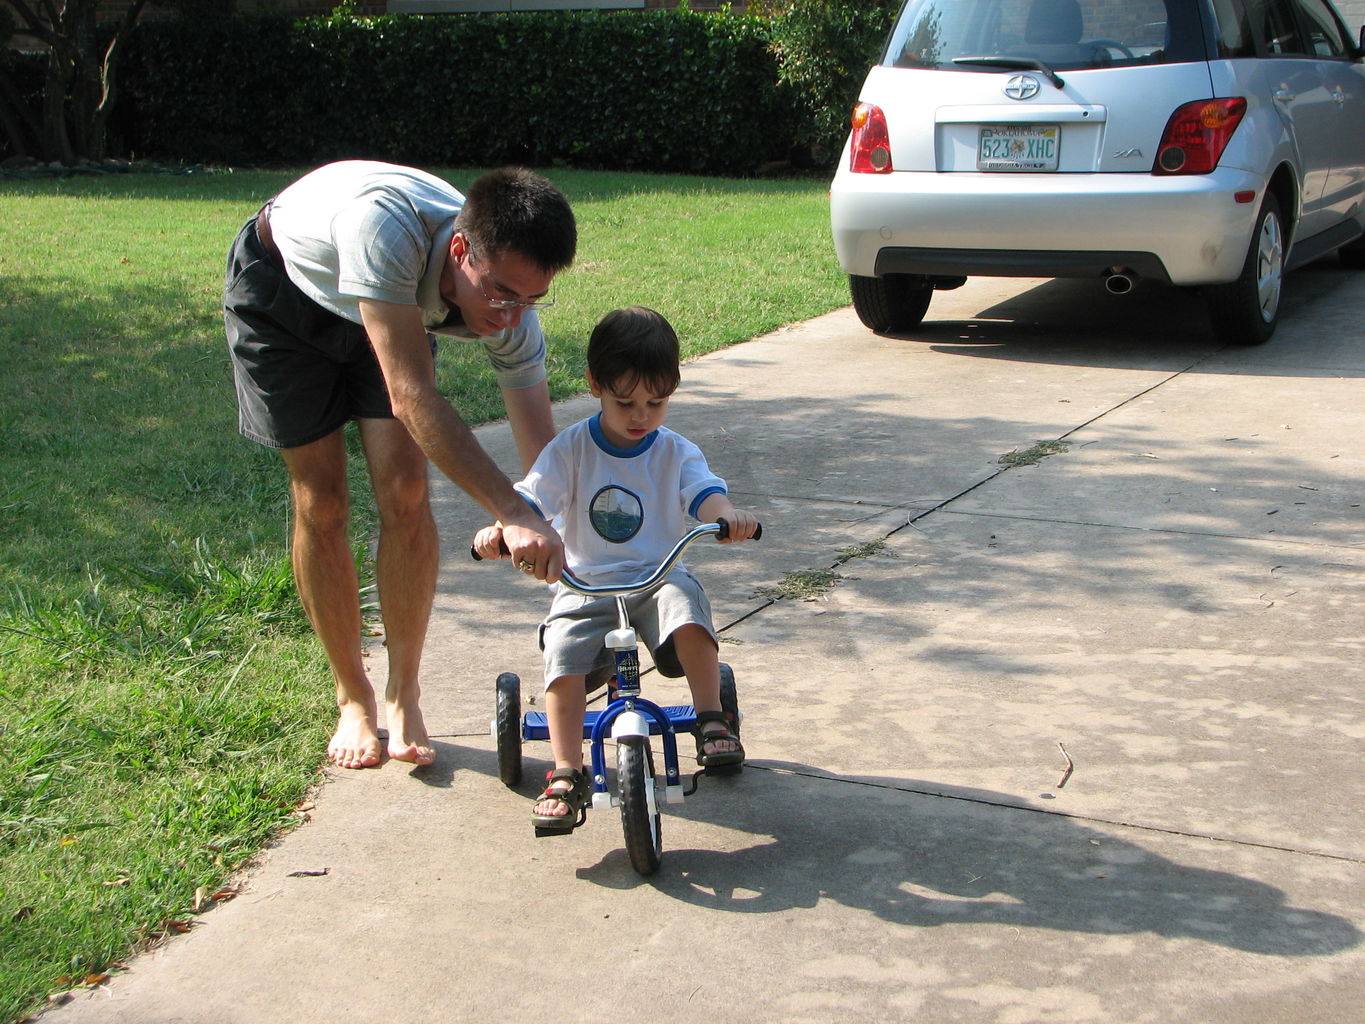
column 728, row 731
column 576, row 797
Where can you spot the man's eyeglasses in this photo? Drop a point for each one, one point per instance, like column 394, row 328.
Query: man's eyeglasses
column 507, row 303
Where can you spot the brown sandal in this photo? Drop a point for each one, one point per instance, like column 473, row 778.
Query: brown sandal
column 729, row 731
column 576, row 797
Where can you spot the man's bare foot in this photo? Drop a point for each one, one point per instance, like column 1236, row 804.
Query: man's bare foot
column 355, row 744
column 408, row 740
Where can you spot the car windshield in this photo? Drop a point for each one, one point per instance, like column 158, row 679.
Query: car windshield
column 1054, row 34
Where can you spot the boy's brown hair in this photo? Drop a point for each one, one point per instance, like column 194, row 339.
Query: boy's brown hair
column 632, row 346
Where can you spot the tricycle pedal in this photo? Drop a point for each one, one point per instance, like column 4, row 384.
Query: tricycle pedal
column 542, row 831
column 561, row 830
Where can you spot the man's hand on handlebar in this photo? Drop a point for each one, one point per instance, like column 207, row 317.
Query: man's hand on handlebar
column 535, row 550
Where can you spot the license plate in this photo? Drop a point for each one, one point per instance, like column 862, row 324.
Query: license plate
column 1031, row 147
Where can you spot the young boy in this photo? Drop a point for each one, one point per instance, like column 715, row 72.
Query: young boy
column 619, row 487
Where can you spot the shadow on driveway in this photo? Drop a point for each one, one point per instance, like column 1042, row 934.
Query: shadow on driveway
column 921, row 855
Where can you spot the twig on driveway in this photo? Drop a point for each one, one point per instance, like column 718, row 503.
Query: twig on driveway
column 1070, row 766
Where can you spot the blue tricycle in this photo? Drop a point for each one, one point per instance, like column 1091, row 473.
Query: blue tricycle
column 629, row 719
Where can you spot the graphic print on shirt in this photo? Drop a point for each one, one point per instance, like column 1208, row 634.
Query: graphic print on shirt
column 616, row 514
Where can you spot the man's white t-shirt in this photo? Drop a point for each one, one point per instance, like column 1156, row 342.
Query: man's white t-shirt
column 360, row 229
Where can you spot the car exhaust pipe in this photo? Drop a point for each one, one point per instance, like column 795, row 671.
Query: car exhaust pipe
column 1119, row 281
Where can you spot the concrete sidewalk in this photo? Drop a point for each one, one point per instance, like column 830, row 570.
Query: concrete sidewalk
column 1172, row 605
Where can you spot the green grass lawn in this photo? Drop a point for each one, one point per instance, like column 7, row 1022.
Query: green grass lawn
column 163, row 707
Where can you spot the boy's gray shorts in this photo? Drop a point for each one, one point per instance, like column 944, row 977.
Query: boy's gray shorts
column 573, row 635
column 301, row 371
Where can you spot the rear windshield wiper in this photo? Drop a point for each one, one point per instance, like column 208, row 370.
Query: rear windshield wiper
column 1015, row 62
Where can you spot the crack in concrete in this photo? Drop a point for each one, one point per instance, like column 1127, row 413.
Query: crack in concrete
column 943, row 506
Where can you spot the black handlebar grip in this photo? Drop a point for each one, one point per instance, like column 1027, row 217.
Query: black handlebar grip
column 502, row 546
column 724, row 532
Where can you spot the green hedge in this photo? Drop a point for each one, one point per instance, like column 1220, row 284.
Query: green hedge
column 823, row 49
column 675, row 91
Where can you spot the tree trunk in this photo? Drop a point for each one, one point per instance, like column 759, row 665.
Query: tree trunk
column 78, row 91
column 85, row 81
column 56, row 139
column 108, row 80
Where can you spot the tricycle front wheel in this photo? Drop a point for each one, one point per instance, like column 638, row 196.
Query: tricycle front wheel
column 639, row 803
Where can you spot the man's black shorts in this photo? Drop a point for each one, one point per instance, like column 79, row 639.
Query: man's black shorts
column 301, row 371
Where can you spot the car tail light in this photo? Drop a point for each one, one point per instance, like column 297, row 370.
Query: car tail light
column 871, row 141
column 1197, row 134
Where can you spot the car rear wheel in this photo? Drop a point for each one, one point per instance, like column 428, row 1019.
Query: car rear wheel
column 1246, row 311
column 895, row 302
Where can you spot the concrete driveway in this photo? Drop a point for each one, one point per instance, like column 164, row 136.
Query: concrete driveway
column 1075, row 740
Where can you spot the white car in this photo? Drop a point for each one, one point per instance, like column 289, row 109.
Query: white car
column 1209, row 143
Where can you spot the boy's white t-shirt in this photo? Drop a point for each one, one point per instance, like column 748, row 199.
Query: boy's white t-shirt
column 619, row 510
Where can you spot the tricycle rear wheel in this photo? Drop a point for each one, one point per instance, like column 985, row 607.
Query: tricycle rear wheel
column 507, row 728
column 729, row 697
column 729, row 703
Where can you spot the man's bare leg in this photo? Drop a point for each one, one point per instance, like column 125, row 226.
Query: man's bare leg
column 405, row 570
column 324, row 572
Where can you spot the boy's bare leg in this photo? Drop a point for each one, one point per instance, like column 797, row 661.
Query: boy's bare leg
column 566, row 704
column 405, row 570
column 697, row 654
column 324, row 572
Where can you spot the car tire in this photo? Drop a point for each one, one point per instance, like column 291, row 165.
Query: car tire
column 895, row 302
column 1246, row 311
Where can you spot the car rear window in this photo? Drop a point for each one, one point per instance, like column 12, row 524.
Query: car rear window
column 1063, row 34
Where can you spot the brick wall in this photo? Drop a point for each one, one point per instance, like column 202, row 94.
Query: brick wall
column 1352, row 10
column 381, row 6
column 110, row 9
column 113, row 9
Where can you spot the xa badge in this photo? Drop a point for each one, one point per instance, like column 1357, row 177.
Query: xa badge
column 1022, row 87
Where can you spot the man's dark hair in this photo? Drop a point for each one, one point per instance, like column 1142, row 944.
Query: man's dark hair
column 630, row 346
column 516, row 210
